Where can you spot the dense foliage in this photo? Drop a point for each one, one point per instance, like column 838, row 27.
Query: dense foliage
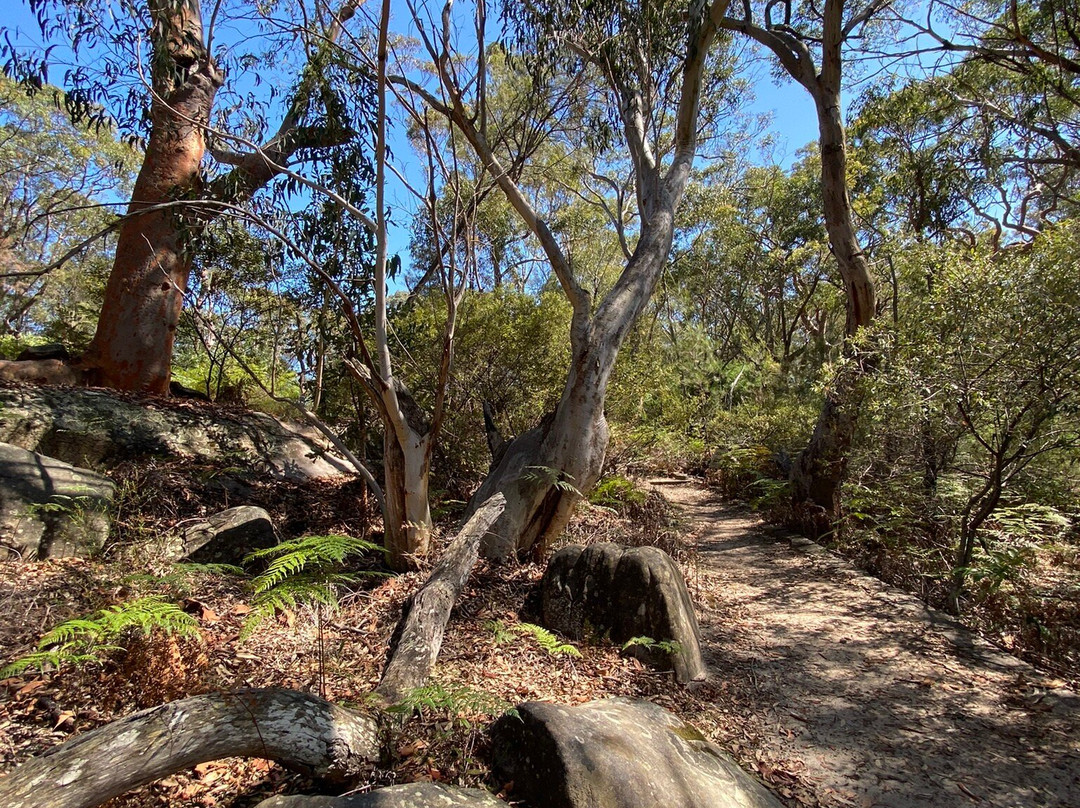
column 963, row 478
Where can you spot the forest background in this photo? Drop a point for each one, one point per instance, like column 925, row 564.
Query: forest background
column 953, row 390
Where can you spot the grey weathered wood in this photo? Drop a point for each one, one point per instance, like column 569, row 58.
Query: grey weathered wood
column 300, row 731
column 423, row 622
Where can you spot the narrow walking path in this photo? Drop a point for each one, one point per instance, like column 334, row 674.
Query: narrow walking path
column 859, row 693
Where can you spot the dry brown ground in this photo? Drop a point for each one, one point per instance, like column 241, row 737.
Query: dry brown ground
column 834, row 688
column 872, row 699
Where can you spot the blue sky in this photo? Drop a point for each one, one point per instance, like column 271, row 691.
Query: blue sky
column 788, row 104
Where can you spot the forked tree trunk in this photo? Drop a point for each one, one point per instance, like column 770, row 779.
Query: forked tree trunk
column 544, row 472
column 300, row 731
column 132, row 347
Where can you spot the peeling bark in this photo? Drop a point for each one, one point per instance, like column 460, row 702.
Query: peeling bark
column 408, row 513
column 300, row 731
column 419, row 634
column 132, row 347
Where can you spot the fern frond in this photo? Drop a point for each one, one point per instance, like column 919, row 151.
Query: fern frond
column 667, row 646
column 302, row 571
column 548, row 641
column 455, row 701
column 290, row 558
column 87, row 639
column 190, row 568
column 502, row 634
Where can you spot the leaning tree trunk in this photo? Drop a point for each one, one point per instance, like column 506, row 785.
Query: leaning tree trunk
column 544, row 472
column 419, row 634
column 300, row 731
column 132, row 348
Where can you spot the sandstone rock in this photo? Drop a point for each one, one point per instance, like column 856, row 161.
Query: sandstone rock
column 50, row 509
column 617, row 753
column 414, row 795
column 52, row 350
column 225, row 537
column 90, row 428
column 625, row 592
column 40, row 371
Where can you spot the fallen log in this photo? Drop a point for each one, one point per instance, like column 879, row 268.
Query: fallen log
column 419, row 635
column 299, row 731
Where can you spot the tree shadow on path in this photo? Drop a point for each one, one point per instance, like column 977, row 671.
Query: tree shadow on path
column 881, row 701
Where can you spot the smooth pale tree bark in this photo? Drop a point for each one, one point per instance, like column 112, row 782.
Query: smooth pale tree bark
column 543, row 472
column 300, row 731
column 408, row 436
column 821, row 467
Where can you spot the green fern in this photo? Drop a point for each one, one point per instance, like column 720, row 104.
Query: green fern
column 502, row 634
column 554, row 477
column 190, row 568
column 304, row 571
column 87, row 639
column 179, row 581
column 671, row 647
column 455, row 702
column 548, row 641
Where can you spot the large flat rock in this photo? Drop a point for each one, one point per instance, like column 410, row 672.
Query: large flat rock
column 617, row 753
column 50, row 509
column 92, row 428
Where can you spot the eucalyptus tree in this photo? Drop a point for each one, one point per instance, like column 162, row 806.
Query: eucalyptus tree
column 1008, row 74
column 153, row 69
column 809, row 44
column 647, row 76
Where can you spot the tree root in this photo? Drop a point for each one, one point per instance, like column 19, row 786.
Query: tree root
column 300, row 731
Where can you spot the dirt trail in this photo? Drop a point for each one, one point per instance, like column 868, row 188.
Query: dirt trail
column 859, row 692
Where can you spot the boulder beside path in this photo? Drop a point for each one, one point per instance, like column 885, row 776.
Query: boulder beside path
column 617, row 753
column 628, row 594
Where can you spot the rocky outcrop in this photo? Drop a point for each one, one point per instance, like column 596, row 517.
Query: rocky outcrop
column 48, row 508
column 617, row 753
column 413, row 795
column 625, row 593
column 36, row 353
column 225, row 537
column 93, row 428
